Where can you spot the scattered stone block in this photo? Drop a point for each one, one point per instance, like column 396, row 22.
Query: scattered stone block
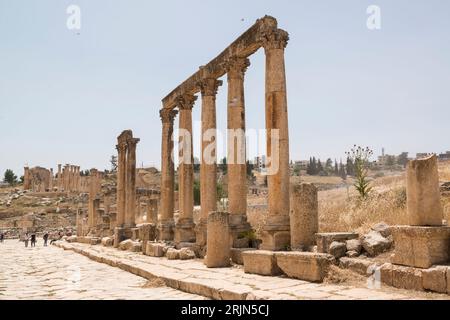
column 218, row 240
column 421, row 247
column 435, row 279
column 72, row 239
column 261, row 262
column 386, row 274
column 236, row 254
column 407, row 278
column 383, row 228
column 374, row 243
column 358, row 265
column 304, row 214
column 187, row 254
column 354, row 245
column 337, row 249
column 155, row 249
column 126, row 244
column 323, row 240
column 107, row 241
column 241, row 243
column 181, row 245
column 304, row 265
column 136, row 247
column 173, row 254
column 95, row 241
column 352, row 254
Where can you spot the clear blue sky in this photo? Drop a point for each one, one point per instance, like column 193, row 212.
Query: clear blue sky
column 64, row 97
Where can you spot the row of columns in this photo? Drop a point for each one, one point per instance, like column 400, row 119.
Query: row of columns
column 276, row 230
column 69, row 178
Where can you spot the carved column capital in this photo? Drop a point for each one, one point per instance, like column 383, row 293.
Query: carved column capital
column 274, row 39
column 132, row 142
column 236, row 67
column 186, row 101
column 167, row 115
column 209, row 86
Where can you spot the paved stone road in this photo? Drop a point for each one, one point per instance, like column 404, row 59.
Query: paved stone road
column 52, row 273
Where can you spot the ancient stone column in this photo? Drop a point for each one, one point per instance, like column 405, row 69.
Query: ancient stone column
column 423, row 195
column 304, row 216
column 184, row 230
column 50, row 183
column 93, row 190
column 59, row 177
column 218, row 240
column 275, row 234
column 166, row 222
column 208, row 159
column 130, row 194
column 26, row 179
column 121, row 180
column 66, row 174
column 237, row 167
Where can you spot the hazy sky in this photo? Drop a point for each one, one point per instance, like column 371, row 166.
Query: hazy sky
column 64, row 97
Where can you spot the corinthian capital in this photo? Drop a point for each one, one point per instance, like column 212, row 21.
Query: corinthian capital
column 167, row 115
column 209, row 86
column 186, row 101
column 236, row 66
column 274, row 39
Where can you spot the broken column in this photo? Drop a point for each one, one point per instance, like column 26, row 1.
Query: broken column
column 94, row 189
column 218, row 240
column 152, row 211
column 425, row 241
column 275, row 235
column 304, row 215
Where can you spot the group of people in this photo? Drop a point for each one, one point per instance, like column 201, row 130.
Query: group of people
column 33, row 239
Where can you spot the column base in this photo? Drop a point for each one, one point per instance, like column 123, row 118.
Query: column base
column 421, row 247
column 276, row 233
column 239, row 227
column 166, row 230
column 184, row 231
column 201, row 233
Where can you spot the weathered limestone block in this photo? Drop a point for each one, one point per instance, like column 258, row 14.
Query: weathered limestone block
column 354, row 245
column 358, row 265
column 448, row 280
column 173, row 254
column 324, row 240
column 147, row 232
column 386, row 274
column 95, row 241
column 218, row 240
column 304, row 215
column 435, row 279
column 374, row 243
column 107, row 241
column 407, row 278
column 181, row 245
column 187, row 254
column 337, row 249
column 304, row 265
column 136, row 247
column 155, row 249
column 352, row 254
column 236, row 254
column 126, row 244
column 383, row 228
column 72, row 239
column 423, row 195
column 261, row 262
column 421, row 247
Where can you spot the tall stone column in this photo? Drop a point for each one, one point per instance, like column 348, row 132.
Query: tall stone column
column 66, row 174
column 276, row 235
column 59, row 178
column 152, row 211
column 130, row 194
column 304, row 215
column 93, row 190
column 208, row 161
column 237, row 167
column 50, row 183
column 26, row 179
column 121, row 180
column 166, row 222
column 184, row 230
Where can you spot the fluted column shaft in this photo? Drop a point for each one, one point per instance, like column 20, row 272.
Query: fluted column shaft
column 131, row 183
column 121, row 180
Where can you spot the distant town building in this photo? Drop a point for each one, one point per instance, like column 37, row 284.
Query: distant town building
column 444, row 156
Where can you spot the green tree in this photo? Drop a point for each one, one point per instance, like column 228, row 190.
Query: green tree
column 319, row 167
column 360, row 157
column 10, row 177
column 113, row 162
column 402, row 159
column 196, row 193
column 350, row 167
column 223, row 166
column 336, row 168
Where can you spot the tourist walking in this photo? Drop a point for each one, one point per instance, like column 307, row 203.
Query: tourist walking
column 33, row 239
column 45, row 237
column 26, row 239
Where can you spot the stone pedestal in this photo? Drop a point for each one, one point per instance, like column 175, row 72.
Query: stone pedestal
column 121, row 234
column 238, row 226
column 200, row 233
column 147, row 232
column 304, row 265
column 218, row 241
column 304, row 215
column 421, row 247
column 166, row 230
column 184, row 231
column 276, row 234
column 423, row 195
